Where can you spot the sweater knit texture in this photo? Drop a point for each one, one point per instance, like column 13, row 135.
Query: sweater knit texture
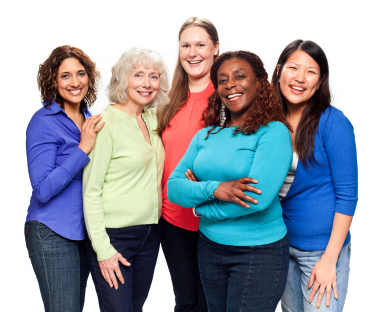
column 265, row 155
column 122, row 182
column 326, row 187
column 176, row 138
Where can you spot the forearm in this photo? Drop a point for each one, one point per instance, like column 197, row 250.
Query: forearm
column 341, row 225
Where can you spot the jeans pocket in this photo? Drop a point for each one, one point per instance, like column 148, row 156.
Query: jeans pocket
column 43, row 231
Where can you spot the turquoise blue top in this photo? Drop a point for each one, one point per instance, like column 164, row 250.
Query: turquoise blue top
column 265, row 155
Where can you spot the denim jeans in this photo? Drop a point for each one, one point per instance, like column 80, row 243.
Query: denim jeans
column 180, row 251
column 60, row 266
column 296, row 295
column 243, row 278
column 139, row 244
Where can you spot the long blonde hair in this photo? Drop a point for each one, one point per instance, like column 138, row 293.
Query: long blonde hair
column 178, row 93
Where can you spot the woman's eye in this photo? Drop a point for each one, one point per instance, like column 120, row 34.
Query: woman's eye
column 82, row 74
column 185, row 46
column 222, row 81
column 137, row 75
column 292, row 68
column 154, row 77
column 64, row 76
column 311, row 72
column 201, row 45
column 240, row 76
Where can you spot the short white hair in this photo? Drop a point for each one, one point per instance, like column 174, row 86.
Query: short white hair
column 129, row 61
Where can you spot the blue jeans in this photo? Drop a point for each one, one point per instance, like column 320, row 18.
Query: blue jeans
column 139, row 244
column 296, row 295
column 60, row 266
column 243, row 278
column 180, row 248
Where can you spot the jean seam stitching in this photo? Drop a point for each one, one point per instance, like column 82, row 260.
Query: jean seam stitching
column 247, row 286
column 46, row 275
column 144, row 240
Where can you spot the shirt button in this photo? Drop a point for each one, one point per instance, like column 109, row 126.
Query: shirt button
column 154, row 179
column 156, row 193
column 154, row 166
column 156, row 206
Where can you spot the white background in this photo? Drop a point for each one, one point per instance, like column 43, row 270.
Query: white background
column 350, row 33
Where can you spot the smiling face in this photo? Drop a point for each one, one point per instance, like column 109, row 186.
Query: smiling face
column 237, row 87
column 143, row 85
column 300, row 78
column 72, row 81
column 196, row 52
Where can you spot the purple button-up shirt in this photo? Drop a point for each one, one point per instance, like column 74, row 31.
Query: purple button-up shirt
column 55, row 166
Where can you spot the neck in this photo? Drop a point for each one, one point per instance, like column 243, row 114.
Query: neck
column 131, row 109
column 72, row 109
column 295, row 109
column 198, row 84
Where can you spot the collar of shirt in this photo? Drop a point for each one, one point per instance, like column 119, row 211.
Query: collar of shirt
column 55, row 108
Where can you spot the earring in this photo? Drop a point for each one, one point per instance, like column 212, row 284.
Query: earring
column 222, row 115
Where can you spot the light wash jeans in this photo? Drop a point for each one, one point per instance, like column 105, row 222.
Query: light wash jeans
column 296, row 295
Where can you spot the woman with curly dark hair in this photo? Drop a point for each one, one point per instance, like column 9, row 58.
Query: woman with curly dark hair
column 243, row 250
column 59, row 137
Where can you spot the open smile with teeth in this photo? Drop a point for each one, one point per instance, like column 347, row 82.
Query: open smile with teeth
column 194, row 62
column 297, row 88
column 144, row 93
column 75, row 92
column 231, row 96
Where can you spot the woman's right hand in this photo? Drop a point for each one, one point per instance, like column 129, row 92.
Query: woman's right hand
column 233, row 191
column 89, row 132
column 110, row 267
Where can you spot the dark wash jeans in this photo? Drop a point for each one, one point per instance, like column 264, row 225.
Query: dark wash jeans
column 243, row 278
column 139, row 244
column 180, row 250
column 60, row 266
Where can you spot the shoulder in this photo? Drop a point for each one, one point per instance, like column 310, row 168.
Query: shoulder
column 39, row 120
column 274, row 127
column 333, row 117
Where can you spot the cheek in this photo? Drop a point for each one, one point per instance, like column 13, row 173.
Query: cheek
column 156, row 85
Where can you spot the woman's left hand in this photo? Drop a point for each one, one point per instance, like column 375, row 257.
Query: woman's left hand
column 190, row 176
column 323, row 277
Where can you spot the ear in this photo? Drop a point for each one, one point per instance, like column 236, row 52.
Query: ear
column 216, row 49
column 278, row 67
column 320, row 81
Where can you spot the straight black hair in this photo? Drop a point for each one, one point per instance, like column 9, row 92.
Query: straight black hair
column 308, row 125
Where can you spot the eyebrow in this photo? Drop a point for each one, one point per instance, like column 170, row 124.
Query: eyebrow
column 237, row 70
column 66, row 72
column 298, row 64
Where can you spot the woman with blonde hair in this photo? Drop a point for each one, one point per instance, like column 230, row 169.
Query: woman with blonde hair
column 122, row 184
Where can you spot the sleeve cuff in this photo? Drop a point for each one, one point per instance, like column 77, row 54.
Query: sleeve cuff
column 210, row 188
column 75, row 161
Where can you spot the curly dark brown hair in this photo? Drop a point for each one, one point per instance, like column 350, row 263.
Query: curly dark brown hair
column 266, row 107
column 47, row 81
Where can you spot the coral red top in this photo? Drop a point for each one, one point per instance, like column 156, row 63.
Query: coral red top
column 176, row 138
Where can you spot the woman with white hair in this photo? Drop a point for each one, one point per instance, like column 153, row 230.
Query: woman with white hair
column 122, row 184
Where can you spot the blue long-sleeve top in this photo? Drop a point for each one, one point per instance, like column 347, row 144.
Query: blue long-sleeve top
column 55, row 166
column 324, row 188
column 265, row 156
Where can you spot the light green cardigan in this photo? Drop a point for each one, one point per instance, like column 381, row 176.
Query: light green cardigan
column 122, row 181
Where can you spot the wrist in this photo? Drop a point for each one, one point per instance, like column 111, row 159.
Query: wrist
column 329, row 257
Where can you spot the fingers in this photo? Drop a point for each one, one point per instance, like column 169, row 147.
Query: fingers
column 314, row 291
column 246, row 197
column 328, row 294
column 320, row 295
column 106, row 276
column 248, row 180
column 97, row 129
column 123, row 260
column 334, row 285
column 190, row 176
